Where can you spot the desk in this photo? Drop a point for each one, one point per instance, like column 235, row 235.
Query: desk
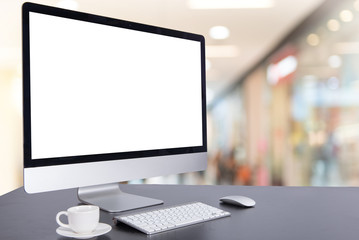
column 280, row 213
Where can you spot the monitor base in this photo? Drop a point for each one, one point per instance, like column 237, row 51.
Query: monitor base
column 110, row 198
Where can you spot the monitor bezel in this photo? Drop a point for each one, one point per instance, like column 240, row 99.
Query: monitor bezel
column 53, row 11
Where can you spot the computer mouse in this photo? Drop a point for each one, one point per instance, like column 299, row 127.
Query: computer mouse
column 241, row 201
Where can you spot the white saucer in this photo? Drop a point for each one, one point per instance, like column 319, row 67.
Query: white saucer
column 102, row 228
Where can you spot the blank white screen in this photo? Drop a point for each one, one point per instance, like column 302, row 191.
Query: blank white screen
column 102, row 89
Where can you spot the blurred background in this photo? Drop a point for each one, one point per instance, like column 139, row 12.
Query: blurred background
column 282, row 87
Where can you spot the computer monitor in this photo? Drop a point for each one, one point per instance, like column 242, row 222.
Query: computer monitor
column 106, row 101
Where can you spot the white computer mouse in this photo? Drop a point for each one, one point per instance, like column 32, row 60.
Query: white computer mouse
column 241, row 201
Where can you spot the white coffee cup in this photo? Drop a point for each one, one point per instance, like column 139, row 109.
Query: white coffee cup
column 82, row 219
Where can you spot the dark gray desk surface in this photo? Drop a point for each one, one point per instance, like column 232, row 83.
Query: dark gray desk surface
column 281, row 213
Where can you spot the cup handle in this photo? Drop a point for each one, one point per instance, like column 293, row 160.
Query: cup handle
column 59, row 221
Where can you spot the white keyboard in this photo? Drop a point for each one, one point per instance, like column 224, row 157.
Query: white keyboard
column 164, row 219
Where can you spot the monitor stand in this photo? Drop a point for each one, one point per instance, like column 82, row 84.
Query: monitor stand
column 110, row 198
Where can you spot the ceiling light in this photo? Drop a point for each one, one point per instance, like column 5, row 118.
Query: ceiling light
column 334, row 61
column 313, row 39
column 229, row 4
column 68, row 4
column 346, row 16
column 333, row 25
column 219, row 32
column 222, row 51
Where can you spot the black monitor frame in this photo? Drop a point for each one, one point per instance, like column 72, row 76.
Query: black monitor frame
column 28, row 161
